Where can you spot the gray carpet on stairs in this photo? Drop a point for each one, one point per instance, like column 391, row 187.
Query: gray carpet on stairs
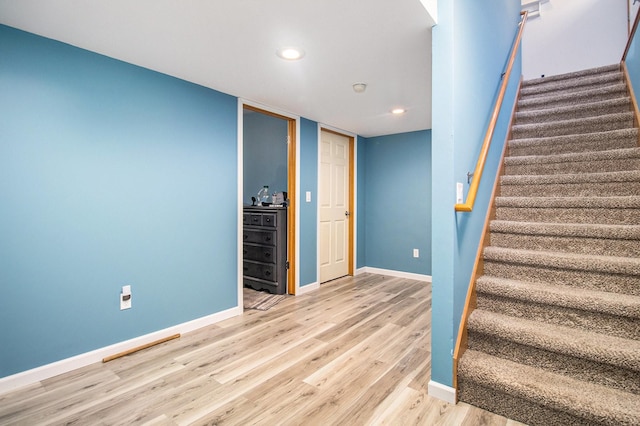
column 555, row 336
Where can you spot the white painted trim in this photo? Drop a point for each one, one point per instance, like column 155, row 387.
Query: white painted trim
column 362, row 270
column 37, row 374
column 442, row 392
column 240, row 202
column 399, row 274
column 308, row 288
column 317, row 195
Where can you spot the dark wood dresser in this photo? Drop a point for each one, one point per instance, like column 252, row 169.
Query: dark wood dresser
column 264, row 251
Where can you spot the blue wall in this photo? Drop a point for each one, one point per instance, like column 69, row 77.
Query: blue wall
column 110, row 174
column 633, row 62
column 471, row 44
column 307, row 262
column 264, row 153
column 397, row 202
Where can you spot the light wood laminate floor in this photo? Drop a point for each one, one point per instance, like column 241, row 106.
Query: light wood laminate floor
column 355, row 352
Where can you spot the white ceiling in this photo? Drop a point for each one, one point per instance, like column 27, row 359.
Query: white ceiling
column 230, row 46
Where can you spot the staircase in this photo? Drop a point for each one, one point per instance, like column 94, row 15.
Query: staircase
column 555, row 336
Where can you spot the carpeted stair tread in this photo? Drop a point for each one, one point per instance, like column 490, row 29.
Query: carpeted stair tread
column 574, row 84
column 574, row 126
column 628, row 202
column 610, row 106
column 579, row 238
column 562, row 296
column 589, row 403
column 566, row 261
column 596, row 141
column 612, row 91
column 572, row 75
column 623, row 210
column 616, row 154
column 620, row 176
column 618, row 232
column 615, row 351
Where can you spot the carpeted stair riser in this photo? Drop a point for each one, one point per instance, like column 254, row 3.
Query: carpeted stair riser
column 614, row 91
column 519, row 409
column 624, row 327
column 572, row 127
column 570, row 215
column 613, row 106
column 579, row 245
column 536, row 396
column 568, row 77
column 573, row 85
column 605, row 240
column 601, row 141
column 574, row 367
column 613, row 165
column 571, row 189
column 565, row 261
column 557, row 296
column 601, row 281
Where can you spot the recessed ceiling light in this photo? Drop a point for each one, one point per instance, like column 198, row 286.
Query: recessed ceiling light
column 398, row 111
column 290, row 53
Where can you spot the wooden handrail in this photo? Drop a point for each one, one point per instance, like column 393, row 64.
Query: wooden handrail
column 486, row 144
column 631, row 34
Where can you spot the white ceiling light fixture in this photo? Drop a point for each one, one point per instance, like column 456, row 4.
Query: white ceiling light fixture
column 359, row 87
column 398, row 111
column 290, row 53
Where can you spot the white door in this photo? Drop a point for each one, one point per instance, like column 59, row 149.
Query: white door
column 334, row 206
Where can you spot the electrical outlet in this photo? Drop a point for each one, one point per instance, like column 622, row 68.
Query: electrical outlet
column 416, row 253
column 125, row 297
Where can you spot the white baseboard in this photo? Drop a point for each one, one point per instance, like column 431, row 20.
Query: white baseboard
column 37, row 374
column 307, row 288
column 442, row 392
column 392, row 273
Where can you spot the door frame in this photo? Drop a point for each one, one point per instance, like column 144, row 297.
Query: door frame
column 293, row 183
column 353, row 148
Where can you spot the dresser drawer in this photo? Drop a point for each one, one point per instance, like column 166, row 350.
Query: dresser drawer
column 269, row 220
column 255, row 219
column 259, row 236
column 259, row 252
column 265, row 271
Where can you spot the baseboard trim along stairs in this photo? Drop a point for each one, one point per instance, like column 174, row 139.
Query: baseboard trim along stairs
column 555, row 334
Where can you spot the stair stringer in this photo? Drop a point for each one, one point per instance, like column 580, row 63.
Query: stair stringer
column 478, row 266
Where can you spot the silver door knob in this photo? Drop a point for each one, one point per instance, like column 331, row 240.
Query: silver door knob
column 347, row 214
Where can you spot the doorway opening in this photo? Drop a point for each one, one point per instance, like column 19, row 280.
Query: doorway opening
column 269, row 158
